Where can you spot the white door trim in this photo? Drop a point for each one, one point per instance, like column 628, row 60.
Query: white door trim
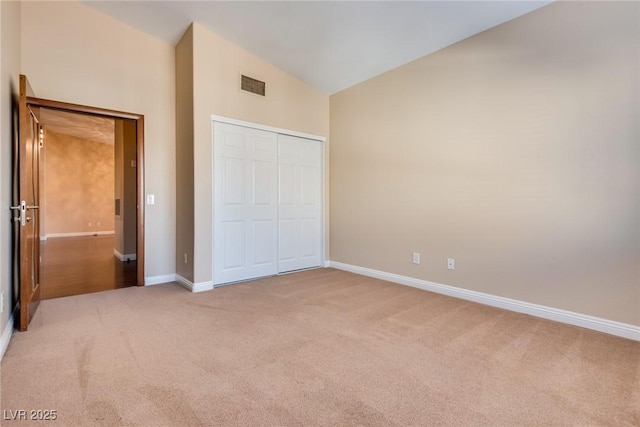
column 321, row 139
column 237, row 122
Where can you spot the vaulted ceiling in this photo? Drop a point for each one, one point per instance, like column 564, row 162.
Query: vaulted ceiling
column 331, row 45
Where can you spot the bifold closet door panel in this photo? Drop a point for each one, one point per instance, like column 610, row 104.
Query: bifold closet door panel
column 299, row 203
column 245, row 203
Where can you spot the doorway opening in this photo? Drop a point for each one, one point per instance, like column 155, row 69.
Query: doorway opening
column 92, row 187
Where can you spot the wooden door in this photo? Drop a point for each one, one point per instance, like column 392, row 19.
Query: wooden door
column 25, row 207
column 299, row 203
column 245, row 203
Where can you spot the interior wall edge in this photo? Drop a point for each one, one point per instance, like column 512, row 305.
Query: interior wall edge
column 194, row 287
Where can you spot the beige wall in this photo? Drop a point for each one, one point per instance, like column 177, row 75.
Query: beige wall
column 184, row 155
column 10, row 55
column 516, row 152
column 289, row 104
column 78, row 188
column 75, row 54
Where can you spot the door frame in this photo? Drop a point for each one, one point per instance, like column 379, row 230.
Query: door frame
column 321, row 139
column 114, row 114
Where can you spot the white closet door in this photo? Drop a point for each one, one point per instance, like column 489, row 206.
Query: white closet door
column 245, row 203
column 299, row 203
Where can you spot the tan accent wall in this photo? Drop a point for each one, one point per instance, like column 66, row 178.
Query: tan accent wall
column 10, row 53
column 130, row 167
column 79, row 185
column 516, row 152
column 118, row 184
column 75, row 54
column 125, row 186
column 184, row 155
column 289, row 104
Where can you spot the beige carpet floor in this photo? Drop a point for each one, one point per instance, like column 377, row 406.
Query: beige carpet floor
column 321, row 347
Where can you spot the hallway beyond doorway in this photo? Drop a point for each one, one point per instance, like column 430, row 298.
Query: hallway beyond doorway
column 81, row 265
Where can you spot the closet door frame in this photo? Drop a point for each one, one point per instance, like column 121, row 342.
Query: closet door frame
column 322, row 140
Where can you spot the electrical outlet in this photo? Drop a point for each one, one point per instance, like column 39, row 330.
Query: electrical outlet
column 151, row 199
column 1, row 301
column 185, row 258
column 416, row 258
column 451, row 264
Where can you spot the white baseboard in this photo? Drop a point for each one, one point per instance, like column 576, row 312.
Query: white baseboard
column 79, row 234
column 126, row 257
column 194, row 287
column 590, row 322
column 185, row 283
column 6, row 337
column 157, row 280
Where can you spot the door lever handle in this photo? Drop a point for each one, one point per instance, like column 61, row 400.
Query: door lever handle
column 23, row 218
column 27, row 207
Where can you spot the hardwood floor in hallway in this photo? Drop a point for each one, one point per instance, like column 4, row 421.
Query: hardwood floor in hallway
column 81, row 265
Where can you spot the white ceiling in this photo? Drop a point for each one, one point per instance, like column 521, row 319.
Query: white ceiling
column 331, row 45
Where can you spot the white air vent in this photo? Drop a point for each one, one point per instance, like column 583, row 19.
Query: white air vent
column 252, row 85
